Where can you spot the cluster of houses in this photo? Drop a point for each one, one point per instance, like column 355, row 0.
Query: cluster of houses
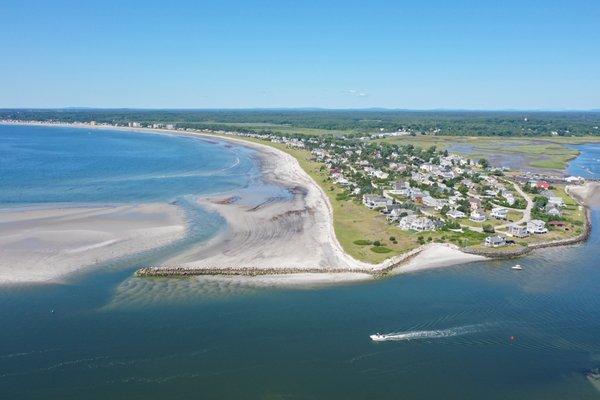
column 533, row 227
column 441, row 187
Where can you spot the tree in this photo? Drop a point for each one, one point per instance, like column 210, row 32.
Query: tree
column 488, row 228
column 540, row 201
column 484, row 163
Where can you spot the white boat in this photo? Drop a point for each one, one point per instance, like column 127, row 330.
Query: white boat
column 378, row 337
column 517, row 267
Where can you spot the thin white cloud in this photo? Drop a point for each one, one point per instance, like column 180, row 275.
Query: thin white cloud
column 357, row 93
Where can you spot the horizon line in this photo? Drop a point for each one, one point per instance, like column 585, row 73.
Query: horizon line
column 441, row 109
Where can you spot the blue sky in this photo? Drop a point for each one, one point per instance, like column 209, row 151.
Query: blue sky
column 335, row 54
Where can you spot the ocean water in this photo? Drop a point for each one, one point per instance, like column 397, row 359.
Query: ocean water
column 587, row 164
column 474, row 331
column 44, row 166
column 58, row 165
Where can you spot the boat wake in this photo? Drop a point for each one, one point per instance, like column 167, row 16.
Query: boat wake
column 420, row 335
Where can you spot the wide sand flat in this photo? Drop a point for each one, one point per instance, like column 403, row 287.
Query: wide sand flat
column 45, row 244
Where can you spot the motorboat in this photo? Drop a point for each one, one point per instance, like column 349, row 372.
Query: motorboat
column 517, row 267
column 378, row 337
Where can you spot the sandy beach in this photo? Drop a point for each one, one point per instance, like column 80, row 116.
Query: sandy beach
column 286, row 235
column 587, row 194
column 46, row 244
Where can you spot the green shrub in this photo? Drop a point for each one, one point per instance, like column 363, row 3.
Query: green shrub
column 377, row 243
column 363, row 242
column 380, row 249
column 488, row 228
column 342, row 196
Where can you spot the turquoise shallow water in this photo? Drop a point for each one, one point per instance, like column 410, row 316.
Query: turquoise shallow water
column 50, row 165
column 468, row 332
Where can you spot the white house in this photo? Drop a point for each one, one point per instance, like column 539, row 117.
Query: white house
column 495, row 241
column 372, row 201
column 500, row 213
column 510, row 199
column 536, row 226
column 556, row 201
column 519, row 231
column 420, row 224
column 428, row 167
column 455, row 214
column 430, row 201
column 380, row 174
column 477, row 216
column 574, row 179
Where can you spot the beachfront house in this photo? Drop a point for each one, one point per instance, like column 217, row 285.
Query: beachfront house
column 519, row 231
column 495, row 241
column 536, row 226
column 500, row 213
column 373, row 201
column 574, row 179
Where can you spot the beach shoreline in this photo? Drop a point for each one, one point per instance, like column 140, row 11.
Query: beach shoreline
column 281, row 232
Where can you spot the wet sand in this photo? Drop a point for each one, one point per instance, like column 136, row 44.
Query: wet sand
column 46, row 244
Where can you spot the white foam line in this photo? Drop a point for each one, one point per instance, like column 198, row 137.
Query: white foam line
column 433, row 334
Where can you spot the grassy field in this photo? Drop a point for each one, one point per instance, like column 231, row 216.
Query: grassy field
column 516, row 152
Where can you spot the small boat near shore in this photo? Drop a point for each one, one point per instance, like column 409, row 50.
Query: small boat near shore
column 517, row 267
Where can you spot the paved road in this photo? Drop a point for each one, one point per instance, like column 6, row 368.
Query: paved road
column 526, row 213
